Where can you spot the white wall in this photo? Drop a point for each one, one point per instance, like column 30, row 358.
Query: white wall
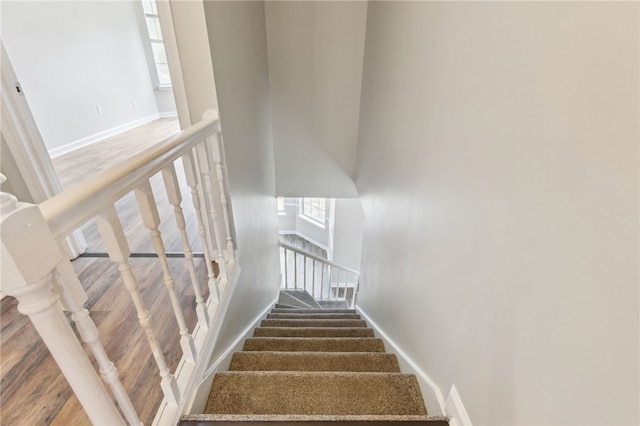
column 315, row 66
column 165, row 102
column 73, row 55
column 498, row 169
column 238, row 48
column 287, row 219
column 348, row 229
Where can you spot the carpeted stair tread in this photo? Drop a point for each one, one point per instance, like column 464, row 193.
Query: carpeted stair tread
column 315, row 344
column 314, row 361
column 301, row 296
column 313, row 316
column 303, row 420
column 312, row 323
column 312, row 332
column 277, row 310
column 315, row 393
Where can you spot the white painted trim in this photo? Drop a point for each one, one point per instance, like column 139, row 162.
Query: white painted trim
column 168, row 114
column 175, row 65
column 81, row 143
column 430, row 390
column 312, row 221
column 29, row 152
column 225, row 359
column 187, row 373
column 455, row 409
column 199, row 398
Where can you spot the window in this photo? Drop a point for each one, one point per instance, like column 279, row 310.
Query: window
column 314, row 208
column 157, row 45
column 281, row 205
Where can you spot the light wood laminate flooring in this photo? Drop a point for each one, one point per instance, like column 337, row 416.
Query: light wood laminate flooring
column 32, row 389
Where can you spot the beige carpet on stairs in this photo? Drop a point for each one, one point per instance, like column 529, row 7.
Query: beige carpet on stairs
column 314, row 366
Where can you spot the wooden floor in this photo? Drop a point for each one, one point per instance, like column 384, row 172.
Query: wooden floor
column 88, row 161
column 32, row 389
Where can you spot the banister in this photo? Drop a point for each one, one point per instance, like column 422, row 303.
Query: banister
column 205, row 174
column 319, row 259
column 70, row 209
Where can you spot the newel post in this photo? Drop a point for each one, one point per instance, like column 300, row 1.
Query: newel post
column 29, row 258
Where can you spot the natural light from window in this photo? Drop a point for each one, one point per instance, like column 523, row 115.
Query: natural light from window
column 314, row 208
column 157, row 45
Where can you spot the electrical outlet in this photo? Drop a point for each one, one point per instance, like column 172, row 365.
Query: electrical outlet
column 99, row 108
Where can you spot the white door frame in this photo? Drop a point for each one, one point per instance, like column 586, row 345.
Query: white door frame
column 173, row 61
column 27, row 147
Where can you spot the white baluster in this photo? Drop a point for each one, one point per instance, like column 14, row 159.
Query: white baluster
column 210, row 198
column 355, row 291
column 151, row 220
column 118, row 248
column 220, row 175
column 305, row 259
column 295, row 270
column 286, row 271
column 322, row 282
column 190, row 174
column 175, row 199
column 66, row 277
column 29, row 257
column 313, row 279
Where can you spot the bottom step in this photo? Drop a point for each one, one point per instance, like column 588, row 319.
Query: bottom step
column 301, row 420
column 315, row 393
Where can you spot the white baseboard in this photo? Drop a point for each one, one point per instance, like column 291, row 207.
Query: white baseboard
column 65, row 149
column 223, row 362
column 169, row 114
column 455, row 409
column 434, row 399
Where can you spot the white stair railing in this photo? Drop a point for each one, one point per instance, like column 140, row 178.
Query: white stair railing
column 321, row 278
column 45, row 284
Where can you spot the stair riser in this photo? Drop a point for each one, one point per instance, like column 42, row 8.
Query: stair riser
column 313, row 316
column 333, row 422
column 343, row 344
column 311, row 361
column 312, row 323
column 312, row 332
column 312, row 311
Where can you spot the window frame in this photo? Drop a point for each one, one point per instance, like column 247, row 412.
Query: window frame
column 151, row 41
column 318, row 204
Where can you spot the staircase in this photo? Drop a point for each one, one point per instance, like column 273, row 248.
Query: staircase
column 307, row 365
